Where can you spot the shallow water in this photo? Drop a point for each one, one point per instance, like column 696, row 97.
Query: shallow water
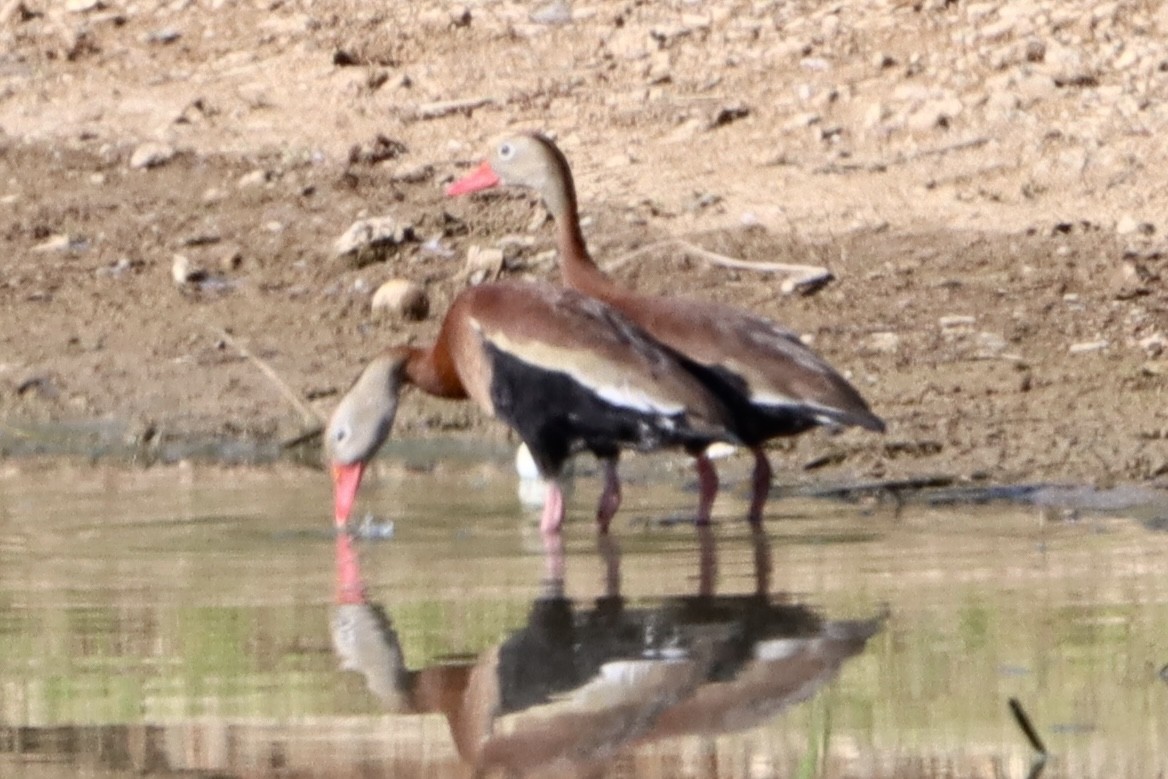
column 206, row 622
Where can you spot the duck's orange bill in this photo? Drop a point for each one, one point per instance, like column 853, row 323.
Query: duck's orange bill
column 346, row 480
column 480, row 178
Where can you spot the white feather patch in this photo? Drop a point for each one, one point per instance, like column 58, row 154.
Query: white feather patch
column 627, row 396
column 774, row 399
column 608, row 380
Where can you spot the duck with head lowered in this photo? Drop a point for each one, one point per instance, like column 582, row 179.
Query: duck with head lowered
column 563, row 370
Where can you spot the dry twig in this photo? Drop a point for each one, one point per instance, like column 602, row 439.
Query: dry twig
column 801, row 276
column 879, row 166
column 307, row 412
column 444, row 107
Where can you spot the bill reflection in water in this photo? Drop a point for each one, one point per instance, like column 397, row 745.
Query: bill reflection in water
column 578, row 684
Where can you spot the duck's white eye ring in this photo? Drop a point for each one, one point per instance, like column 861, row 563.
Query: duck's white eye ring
column 506, row 151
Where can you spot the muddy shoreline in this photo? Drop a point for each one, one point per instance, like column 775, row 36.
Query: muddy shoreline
column 998, row 291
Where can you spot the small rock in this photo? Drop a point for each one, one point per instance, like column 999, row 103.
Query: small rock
column 117, row 269
column 482, row 264
column 990, row 344
column 184, row 272
column 555, row 12
column 231, row 259
column 164, row 36
column 460, row 16
column 884, row 342
column 1128, row 224
column 378, row 150
column 413, row 174
column 255, row 178
column 729, row 113
column 935, row 113
column 57, row 243
column 371, row 240
column 660, row 67
column 201, row 239
column 1066, row 65
column 402, row 298
column 954, row 321
column 81, row 6
column 151, row 154
column 1088, row 346
column 1154, row 344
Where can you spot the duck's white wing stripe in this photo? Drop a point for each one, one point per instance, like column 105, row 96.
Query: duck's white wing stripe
column 608, row 380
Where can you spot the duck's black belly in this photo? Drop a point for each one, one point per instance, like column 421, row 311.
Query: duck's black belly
column 556, row 415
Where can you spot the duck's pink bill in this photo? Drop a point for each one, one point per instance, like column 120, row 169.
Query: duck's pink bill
column 479, row 179
column 346, row 480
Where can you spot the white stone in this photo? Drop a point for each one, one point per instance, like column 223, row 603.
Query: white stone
column 401, row 298
column 1154, row 344
column 884, row 342
column 1066, row 65
column 998, row 30
column 254, row 178
column 482, row 264
column 1088, row 346
column 956, row 320
column 183, row 271
column 371, row 240
column 81, row 6
column 1128, row 224
column 151, row 154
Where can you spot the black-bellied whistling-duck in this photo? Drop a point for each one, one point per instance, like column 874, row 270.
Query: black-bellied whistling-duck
column 774, row 385
column 565, row 371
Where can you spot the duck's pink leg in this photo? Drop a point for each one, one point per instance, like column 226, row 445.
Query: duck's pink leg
column 610, row 499
column 708, row 486
column 761, row 486
column 553, row 509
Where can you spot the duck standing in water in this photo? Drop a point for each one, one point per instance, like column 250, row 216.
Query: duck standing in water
column 772, row 383
column 563, row 370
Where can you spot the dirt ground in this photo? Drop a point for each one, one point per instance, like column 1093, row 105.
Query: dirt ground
column 985, row 181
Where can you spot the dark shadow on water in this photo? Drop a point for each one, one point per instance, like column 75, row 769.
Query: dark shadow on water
column 579, row 682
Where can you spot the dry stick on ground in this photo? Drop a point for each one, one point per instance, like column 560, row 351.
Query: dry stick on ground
column 801, row 275
column 879, row 166
column 444, row 107
column 310, row 415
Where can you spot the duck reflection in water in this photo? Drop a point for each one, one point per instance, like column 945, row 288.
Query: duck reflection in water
column 574, row 686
